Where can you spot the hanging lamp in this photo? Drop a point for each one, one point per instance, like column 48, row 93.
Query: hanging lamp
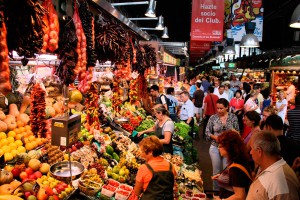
column 165, row 33
column 160, row 24
column 229, row 49
column 249, row 40
column 295, row 20
column 151, row 9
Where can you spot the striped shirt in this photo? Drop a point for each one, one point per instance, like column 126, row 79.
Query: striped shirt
column 293, row 117
column 278, row 181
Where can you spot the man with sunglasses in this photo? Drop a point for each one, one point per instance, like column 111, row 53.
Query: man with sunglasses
column 187, row 111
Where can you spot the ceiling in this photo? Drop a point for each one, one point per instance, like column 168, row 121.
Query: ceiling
column 177, row 17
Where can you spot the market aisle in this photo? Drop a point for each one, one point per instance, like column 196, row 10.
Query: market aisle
column 204, row 160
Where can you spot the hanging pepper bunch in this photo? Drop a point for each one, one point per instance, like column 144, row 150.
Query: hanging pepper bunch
column 67, row 53
column 87, row 21
column 92, row 108
column 133, row 90
column 142, row 86
column 37, row 112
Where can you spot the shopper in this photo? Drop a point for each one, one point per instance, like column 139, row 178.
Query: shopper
column 260, row 98
column 173, row 100
column 269, row 110
column 291, row 91
column 221, row 93
column 218, row 123
column 237, row 107
column 146, row 102
column 293, row 117
column 235, row 179
column 163, row 128
column 156, row 178
column 228, row 91
column 187, row 111
column 193, row 86
column 251, row 119
column 209, row 107
column 281, row 105
column 267, row 99
column 234, row 83
column 250, row 104
column 216, row 86
column 275, row 179
column 290, row 149
column 198, row 101
column 205, row 84
column 159, row 98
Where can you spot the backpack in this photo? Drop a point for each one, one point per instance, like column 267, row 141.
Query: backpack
column 170, row 103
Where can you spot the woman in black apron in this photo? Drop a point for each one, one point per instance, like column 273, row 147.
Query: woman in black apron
column 164, row 127
column 156, row 178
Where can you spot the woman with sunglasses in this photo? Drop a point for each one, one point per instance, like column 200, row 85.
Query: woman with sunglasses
column 163, row 128
column 223, row 120
column 235, row 179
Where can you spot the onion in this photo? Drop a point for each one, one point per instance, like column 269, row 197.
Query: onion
column 46, row 37
column 53, row 34
column 52, row 26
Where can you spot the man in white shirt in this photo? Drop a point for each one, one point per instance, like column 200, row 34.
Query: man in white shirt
column 222, row 93
column 187, row 110
column 291, row 91
column 216, row 87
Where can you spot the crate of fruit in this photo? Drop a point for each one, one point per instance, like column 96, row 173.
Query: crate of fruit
column 89, row 187
column 126, row 187
column 122, row 194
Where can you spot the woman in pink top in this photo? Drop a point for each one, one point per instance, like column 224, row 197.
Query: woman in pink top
column 237, row 107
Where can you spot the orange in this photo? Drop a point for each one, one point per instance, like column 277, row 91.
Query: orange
column 29, row 132
column 34, row 144
column 26, row 140
column 21, row 149
column 39, row 141
column 31, row 138
column 29, row 146
column 27, row 127
column 17, row 131
column 22, row 129
column 20, row 124
column 25, row 134
column 18, row 136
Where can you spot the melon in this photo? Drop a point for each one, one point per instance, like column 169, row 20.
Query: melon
column 75, row 96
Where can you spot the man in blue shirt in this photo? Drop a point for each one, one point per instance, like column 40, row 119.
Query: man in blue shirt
column 193, row 86
column 204, row 85
column 187, row 111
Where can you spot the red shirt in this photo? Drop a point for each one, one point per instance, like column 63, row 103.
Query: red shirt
column 237, row 104
column 211, row 104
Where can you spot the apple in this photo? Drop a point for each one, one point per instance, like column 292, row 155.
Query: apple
column 38, row 174
column 59, row 188
column 29, row 171
column 27, row 194
column 32, row 176
column 74, row 148
column 23, row 175
column 16, row 172
column 48, row 190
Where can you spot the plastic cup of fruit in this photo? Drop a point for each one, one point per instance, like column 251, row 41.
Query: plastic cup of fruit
column 108, row 190
column 122, row 194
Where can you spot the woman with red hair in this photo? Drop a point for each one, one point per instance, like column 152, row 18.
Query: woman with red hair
column 234, row 181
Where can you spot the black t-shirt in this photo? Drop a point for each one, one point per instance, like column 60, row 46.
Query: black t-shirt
column 290, row 149
column 198, row 96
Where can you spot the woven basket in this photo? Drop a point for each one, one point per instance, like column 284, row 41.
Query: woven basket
column 89, row 191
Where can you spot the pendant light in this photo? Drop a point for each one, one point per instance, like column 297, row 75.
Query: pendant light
column 160, row 24
column 295, row 20
column 165, row 33
column 229, row 49
column 249, row 40
column 151, row 9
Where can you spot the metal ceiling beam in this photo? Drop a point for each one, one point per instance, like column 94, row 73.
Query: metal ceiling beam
column 114, row 12
column 130, row 3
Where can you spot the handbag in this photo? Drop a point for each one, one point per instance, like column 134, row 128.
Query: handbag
column 241, row 167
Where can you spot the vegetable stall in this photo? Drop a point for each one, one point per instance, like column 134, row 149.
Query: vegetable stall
column 68, row 92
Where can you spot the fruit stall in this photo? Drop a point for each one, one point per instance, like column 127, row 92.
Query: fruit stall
column 69, row 91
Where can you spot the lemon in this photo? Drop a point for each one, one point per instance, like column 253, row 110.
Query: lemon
column 8, row 156
column 1, row 152
column 13, row 146
column 2, row 135
column 11, row 134
column 18, row 143
column 10, row 139
column 4, row 141
column 21, row 149
column 6, row 149
column 14, row 152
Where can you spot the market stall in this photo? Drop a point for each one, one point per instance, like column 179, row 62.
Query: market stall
column 68, row 115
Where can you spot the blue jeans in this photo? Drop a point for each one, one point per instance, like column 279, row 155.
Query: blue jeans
column 218, row 163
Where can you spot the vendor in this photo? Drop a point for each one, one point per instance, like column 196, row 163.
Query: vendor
column 156, row 178
column 163, row 128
